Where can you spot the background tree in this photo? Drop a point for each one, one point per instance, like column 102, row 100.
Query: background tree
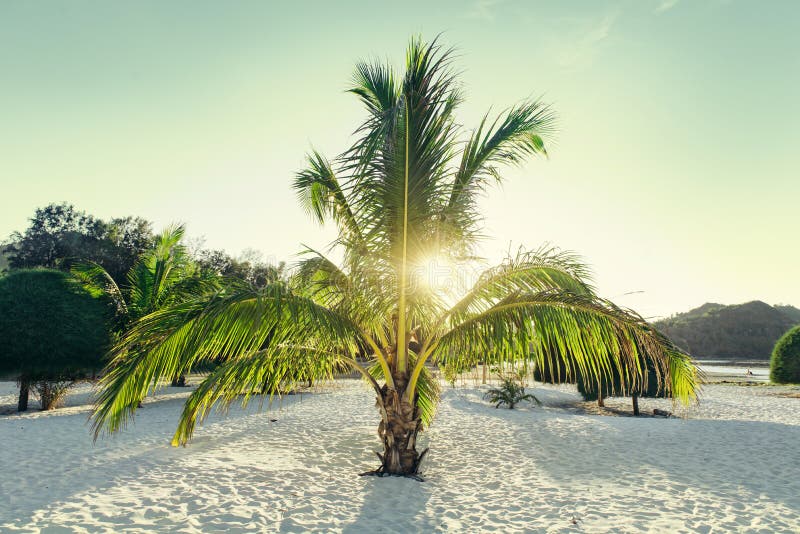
column 404, row 196
column 53, row 332
column 4, row 254
column 59, row 234
column 249, row 267
column 784, row 366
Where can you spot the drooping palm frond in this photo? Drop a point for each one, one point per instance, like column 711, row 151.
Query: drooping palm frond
column 266, row 372
column 354, row 292
column 320, row 278
column 428, row 392
column 529, row 271
column 171, row 341
column 579, row 333
column 93, row 275
column 321, row 194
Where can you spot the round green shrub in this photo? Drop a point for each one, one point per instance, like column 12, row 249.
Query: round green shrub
column 51, row 327
column 613, row 386
column 784, row 366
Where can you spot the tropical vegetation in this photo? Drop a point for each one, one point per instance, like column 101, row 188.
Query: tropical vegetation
column 163, row 275
column 404, row 196
column 510, row 392
column 53, row 331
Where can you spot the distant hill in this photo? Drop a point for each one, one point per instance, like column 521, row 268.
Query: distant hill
column 744, row 331
column 791, row 311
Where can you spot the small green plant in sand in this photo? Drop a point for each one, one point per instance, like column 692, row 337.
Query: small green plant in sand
column 510, row 392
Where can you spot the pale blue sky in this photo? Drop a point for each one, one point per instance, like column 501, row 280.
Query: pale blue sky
column 675, row 171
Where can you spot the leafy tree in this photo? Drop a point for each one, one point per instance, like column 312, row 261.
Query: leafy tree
column 249, row 268
column 59, row 234
column 53, row 331
column 784, row 367
column 55, row 233
column 125, row 239
column 403, row 196
column 3, row 259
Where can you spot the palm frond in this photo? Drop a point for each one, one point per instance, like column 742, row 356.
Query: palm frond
column 547, row 268
column 519, row 133
column 267, row 372
column 321, row 194
column 579, row 333
column 171, row 341
column 94, row 276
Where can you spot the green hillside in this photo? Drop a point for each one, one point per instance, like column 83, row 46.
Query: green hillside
column 747, row 331
column 791, row 311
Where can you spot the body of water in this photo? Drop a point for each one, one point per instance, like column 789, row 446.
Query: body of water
column 718, row 370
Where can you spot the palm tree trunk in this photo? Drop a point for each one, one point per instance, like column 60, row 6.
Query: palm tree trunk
column 24, row 393
column 400, row 424
column 635, row 404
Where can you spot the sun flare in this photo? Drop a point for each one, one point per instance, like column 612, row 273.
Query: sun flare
column 439, row 276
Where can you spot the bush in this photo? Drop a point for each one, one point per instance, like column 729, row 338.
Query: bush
column 784, row 366
column 451, row 371
column 613, row 387
column 52, row 331
column 52, row 392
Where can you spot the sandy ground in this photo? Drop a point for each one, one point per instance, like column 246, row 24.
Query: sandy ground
column 733, row 465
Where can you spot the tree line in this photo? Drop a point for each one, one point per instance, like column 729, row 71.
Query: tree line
column 71, row 284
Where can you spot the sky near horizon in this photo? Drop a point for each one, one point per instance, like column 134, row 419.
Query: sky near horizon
column 675, row 171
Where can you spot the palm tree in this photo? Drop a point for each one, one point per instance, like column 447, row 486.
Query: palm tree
column 402, row 197
column 163, row 276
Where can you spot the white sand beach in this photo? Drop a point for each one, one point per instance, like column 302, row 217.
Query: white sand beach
column 732, row 464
